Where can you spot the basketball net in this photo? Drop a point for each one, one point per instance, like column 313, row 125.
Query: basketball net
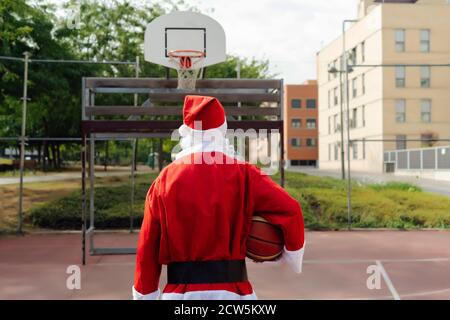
column 185, row 61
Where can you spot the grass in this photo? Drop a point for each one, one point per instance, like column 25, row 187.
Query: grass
column 390, row 205
column 41, row 194
column 323, row 200
column 112, row 204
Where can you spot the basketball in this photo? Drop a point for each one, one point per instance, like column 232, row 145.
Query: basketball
column 265, row 241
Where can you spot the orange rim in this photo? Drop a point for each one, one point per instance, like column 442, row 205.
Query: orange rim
column 186, row 53
column 185, row 57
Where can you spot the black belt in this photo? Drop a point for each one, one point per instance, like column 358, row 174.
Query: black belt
column 196, row 272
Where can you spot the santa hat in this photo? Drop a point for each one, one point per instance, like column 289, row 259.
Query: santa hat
column 207, row 110
column 204, row 127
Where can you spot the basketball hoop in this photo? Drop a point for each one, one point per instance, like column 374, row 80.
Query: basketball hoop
column 185, row 62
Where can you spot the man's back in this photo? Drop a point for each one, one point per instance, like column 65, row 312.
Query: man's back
column 198, row 215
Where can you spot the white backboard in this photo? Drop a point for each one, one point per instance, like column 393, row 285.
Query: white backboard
column 184, row 30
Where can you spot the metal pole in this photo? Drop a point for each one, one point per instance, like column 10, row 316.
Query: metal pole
column 349, row 184
column 133, row 157
column 282, row 156
column 238, row 76
column 342, row 121
column 83, row 199
column 22, row 140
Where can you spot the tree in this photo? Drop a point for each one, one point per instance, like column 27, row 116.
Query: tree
column 108, row 30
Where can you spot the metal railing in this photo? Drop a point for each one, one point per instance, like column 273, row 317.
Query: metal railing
column 436, row 158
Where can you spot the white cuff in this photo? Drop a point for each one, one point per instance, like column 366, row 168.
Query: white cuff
column 294, row 258
column 151, row 296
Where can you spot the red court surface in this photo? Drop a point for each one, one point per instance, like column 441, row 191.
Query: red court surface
column 413, row 265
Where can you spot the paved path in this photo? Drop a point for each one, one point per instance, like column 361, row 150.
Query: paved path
column 434, row 186
column 409, row 265
column 62, row 176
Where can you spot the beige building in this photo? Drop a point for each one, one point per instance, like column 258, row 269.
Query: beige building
column 392, row 102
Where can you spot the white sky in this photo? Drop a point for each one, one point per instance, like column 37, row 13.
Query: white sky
column 287, row 32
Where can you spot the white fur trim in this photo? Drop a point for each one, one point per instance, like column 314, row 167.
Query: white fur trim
column 208, row 295
column 193, row 141
column 294, row 259
column 151, row 296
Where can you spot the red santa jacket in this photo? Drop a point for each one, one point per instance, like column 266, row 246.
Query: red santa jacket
column 203, row 212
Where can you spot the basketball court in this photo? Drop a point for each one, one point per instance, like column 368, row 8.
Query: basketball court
column 413, row 265
column 408, row 265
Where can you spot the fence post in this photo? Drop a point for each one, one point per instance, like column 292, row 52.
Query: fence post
column 22, row 140
column 133, row 157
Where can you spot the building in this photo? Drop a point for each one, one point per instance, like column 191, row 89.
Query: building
column 394, row 102
column 300, row 124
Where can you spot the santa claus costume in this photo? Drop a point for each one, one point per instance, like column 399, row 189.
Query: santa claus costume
column 198, row 214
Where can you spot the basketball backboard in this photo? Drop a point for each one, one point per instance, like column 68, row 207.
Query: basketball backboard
column 184, row 30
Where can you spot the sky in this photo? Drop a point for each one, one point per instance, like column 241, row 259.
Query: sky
column 288, row 33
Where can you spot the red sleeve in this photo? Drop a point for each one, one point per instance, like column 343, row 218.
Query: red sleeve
column 275, row 205
column 148, row 269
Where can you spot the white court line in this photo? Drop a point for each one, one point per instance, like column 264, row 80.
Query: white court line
column 387, row 280
column 350, row 261
column 426, row 293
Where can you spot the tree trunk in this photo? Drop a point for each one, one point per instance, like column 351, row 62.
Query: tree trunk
column 46, row 158
column 52, row 149
column 39, row 149
column 160, row 155
column 58, row 154
column 106, row 155
column 136, row 155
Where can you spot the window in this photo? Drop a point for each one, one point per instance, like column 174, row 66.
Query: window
column 363, row 51
column 336, row 151
column 336, row 99
column 311, row 142
column 354, row 120
column 425, row 110
column 363, row 80
column 400, row 142
column 337, row 126
column 335, row 66
column 427, row 140
column 295, row 142
column 400, row 75
column 425, row 76
column 353, row 56
column 296, row 103
column 400, row 40
column 311, row 123
column 363, row 114
column 355, row 150
column 311, row 104
column 329, row 152
column 354, row 88
column 400, row 111
column 364, row 148
column 296, row 123
column 425, row 40
column 311, row 163
column 329, row 99
column 329, row 125
column 329, row 68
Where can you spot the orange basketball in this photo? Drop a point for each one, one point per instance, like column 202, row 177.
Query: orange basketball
column 265, row 241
